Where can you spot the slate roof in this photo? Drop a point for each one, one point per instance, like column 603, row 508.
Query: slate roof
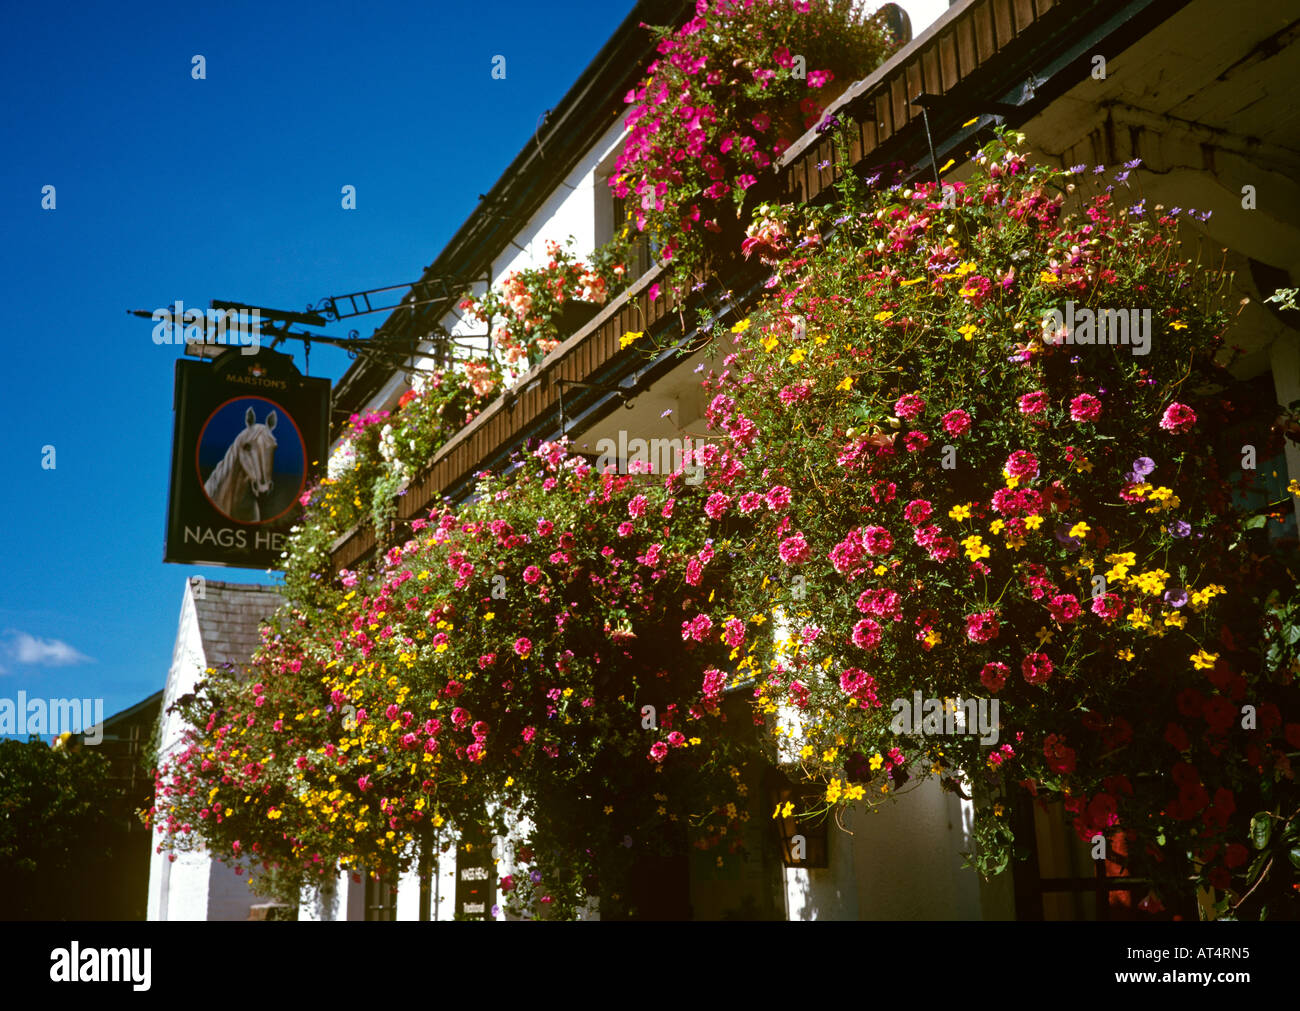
column 229, row 615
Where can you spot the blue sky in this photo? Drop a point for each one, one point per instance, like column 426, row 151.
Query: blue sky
column 172, row 188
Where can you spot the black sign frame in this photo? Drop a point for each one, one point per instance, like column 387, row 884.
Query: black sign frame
column 223, row 524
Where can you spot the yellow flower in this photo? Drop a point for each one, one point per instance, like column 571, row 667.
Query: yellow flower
column 609, row 808
column 880, row 317
column 967, row 331
column 911, row 281
column 1047, row 277
column 833, row 791
column 1174, row 619
column 797, row 356
column 1080, row 530
column 959, row 512
column 876, row 761
column 1044, row 636
column 1125, row 655
column 846, row 384
column 855, row 793
column 741, row 327
column 1033, row 522
column 770, row 343
column 1202, row 660
column 975, row 547
column 996, row 526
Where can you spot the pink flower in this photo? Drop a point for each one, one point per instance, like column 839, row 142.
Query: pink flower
column 459, row 717
column 734, row 632
column 1036, row 668
column 1178, row 418
column 866, row 634
column 363, row 784
column 1033, row 403
column 982, row 627
column 636, row 507
column 917, row 511
column 532, row 574
column 860, row 685
column 877, row 541
column 625, row 528
column 544, row 528
column 523, row 646
column 1022, row 464
column 1085, row 407
column 528, row 734
column 694, row 572
column 750, row 501
column 697, row 628
column 956, row 423
column 778, row 497
column 794, row 550
column 1064, row 607
column 658, row 751
column 1107, row 607
column 909, row 406
column 677, row 740
column 717, row 505
column 994, row 676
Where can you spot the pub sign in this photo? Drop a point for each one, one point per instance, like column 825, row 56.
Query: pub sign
column 249, row 432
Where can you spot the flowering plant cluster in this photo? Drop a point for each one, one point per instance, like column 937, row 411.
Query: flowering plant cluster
column 526, row 311
column 730, row 90
column 377, row 455
column 918, row 486
column 504, row 668
column 987, row 510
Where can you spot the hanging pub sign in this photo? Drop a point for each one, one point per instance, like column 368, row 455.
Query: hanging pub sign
column 249, row 431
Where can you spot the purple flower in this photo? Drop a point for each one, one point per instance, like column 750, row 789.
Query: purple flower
column 536, row 876
column 1075, row 170
column 1180, row 528
column 1121, row 177
column 496, row 911
column 1133, row 164
column 1143, row 466
column 1176, row 597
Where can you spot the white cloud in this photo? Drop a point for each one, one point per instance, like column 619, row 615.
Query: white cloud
column 29, row 649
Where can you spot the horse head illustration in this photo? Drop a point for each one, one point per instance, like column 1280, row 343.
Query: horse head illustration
column 241, row 483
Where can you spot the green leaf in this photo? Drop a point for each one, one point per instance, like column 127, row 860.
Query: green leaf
column 1255, row 522
column 1261, row 828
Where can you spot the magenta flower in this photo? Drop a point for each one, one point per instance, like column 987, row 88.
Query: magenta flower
column 909, row 406
column 866, row 634
column 778, row 497
column 1036, row 668
column 1033, row 403
column 658, row 751
column 956, row 422
column 636, row 507
column 1085, row 407
column 1178, row 418
column 1022, row 464
column 877, row 541
column 982, row 627
column 994, row 676
column 794, row 550
column 523, row 646
column 917, row 511
column 717, row 505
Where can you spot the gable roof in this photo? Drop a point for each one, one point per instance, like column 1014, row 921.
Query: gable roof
column 229, row 615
